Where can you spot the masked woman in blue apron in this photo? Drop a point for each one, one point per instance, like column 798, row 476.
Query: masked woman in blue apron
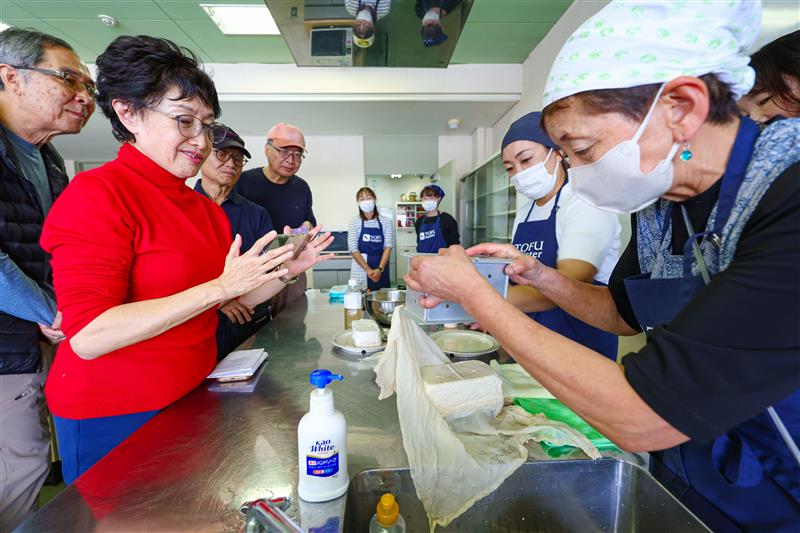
column 435, row 229
column 559, row 229
column 642, row 99
column 370, row 238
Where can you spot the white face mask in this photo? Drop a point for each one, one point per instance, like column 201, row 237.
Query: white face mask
column 367, row 206
column 535, row 182
column 616, row 183
column 429, row 205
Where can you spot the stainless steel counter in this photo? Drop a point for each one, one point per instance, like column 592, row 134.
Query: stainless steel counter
column 191, row 467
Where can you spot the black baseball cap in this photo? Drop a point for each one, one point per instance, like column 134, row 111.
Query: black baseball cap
column 232, row 140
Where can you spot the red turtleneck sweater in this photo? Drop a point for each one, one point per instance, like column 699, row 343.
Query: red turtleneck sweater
column 126, row 232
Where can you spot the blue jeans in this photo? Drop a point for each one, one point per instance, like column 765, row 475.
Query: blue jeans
column 82, row 443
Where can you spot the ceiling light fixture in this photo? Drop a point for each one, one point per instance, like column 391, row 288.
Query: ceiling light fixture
column 4, row 26
column 108, row 20
column 242, row 19
column 453, row 124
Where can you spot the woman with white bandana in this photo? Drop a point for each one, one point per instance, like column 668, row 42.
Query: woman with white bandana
column 642, row 100
column 558, row 229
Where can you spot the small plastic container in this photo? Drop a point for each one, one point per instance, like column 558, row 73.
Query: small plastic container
column 387, row 517
column 353, row 304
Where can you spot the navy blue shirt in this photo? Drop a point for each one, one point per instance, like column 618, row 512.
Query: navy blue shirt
column 289, row 204
column 247, row 219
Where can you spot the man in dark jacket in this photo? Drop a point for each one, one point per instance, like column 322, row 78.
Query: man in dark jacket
column 45, row 90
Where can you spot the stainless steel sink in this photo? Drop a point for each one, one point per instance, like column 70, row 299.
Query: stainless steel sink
column 551, row 496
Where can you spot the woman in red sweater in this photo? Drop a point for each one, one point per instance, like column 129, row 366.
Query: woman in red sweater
column 140, row 261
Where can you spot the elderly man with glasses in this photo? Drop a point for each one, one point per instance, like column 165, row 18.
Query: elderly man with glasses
column 218, row 177
column 45, row 90
column 285, row 195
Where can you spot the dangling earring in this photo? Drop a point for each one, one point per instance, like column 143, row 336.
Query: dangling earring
column 686, row 154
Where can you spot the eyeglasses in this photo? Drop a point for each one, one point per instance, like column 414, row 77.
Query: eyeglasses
column 190, row 126
column 73, row 81
column 223, row 156
column 285, row 153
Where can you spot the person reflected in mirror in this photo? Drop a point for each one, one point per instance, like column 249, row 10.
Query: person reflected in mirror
column 435, row 229
column 218, row 177
column 776, row 93
column 370, row 239
column 286, row 196
column 367, row 13
column 140, row 261
column 559, row 229
column 432, row 12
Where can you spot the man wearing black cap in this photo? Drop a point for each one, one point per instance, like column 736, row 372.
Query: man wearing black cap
column 218, row 177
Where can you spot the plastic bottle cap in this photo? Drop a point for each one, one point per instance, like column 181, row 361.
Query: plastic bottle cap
column 320, row 378
column 387, row 510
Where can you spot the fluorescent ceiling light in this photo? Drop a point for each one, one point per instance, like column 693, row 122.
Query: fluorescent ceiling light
column 242, row 19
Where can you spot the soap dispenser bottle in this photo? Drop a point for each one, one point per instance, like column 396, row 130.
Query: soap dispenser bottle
column 387, row 517
column 322, row 444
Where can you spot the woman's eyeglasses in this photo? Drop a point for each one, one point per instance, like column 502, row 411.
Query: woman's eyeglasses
column 73, row 81
column 190, row 126
column 285, row 153
column 223, row 156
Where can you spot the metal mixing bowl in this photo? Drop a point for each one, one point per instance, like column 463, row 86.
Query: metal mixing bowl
column 380, row 304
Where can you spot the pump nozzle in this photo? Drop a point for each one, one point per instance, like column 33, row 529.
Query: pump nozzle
column 321, row 378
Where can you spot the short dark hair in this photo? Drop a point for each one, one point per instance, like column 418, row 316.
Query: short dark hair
column 365, row 190
column 772, row 63
column 25, row 47
column 140, row 70
column 633, row 102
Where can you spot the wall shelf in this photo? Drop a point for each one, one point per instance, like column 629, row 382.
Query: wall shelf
column 488, row 204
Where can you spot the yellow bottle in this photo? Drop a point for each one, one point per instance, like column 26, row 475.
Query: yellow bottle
column 387, row 518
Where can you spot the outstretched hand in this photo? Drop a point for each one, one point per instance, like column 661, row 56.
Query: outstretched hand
column 245, row 272
column 310, row 256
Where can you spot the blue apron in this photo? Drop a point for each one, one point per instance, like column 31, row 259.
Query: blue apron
column 538, row 239
column 745, row 479
column 430, row 238
column 370, row 242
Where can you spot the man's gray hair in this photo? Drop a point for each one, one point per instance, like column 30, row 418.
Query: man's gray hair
column 24, row 47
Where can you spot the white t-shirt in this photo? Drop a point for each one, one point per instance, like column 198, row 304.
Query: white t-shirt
column 583, row 232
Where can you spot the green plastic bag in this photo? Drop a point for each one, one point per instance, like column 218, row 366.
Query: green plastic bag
column 555, row 410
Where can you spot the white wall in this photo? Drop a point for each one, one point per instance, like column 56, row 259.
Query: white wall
column 536, row 68
column 458, row 149
column 401, row 154
column 334, row 169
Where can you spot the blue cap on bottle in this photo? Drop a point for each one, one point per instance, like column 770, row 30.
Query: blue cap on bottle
column 321, row 378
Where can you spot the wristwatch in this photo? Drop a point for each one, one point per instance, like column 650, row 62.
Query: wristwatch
column 380, row 268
